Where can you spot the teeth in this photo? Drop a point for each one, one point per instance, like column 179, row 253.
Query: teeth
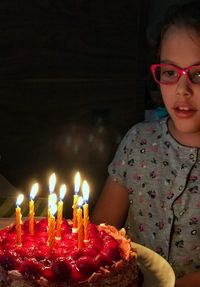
column 183, row 108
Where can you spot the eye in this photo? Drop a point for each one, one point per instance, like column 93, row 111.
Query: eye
column 194, row 74
column 168, row 72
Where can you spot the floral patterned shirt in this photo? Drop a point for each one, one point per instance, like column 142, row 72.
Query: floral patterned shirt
column 163, row 180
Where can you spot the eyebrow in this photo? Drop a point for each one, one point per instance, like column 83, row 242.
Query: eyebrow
column 174, row 64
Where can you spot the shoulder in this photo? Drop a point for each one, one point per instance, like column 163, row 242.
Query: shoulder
column 147, row 129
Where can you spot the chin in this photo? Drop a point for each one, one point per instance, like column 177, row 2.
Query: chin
column 185, row 126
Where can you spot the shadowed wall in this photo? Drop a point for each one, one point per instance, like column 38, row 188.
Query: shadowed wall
column 71, row 84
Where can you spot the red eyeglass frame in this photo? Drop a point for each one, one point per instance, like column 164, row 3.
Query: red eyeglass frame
column 181, row 71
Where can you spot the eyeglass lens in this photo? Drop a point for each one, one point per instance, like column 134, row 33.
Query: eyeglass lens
column 170, row 74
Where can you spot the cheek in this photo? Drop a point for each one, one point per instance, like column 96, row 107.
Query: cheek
column 167, row 95
column 166, row 90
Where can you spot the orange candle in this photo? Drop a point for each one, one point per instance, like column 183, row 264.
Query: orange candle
column 80, row 223
column 75, row 201
column 85, row 190
column 63, row 190
column 19, row 201
column 33, row 193
column 52, row 223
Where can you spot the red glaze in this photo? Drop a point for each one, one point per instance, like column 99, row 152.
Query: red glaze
column 64, row 262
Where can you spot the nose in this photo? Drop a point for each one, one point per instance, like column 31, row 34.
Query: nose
column 183, row 87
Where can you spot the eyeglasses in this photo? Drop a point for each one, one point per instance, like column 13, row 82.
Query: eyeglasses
column 168, row 74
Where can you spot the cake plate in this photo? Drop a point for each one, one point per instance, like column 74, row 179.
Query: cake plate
column 156, row 270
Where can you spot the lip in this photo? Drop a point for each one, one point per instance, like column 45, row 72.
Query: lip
column 184, row 111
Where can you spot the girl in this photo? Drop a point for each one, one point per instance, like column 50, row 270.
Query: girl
column 154, row 179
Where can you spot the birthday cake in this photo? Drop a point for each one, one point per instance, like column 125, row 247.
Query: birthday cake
column 108, row 258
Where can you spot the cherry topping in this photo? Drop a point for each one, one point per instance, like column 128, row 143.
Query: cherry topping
column 110, row 250
column 61, row 269
column 76, row 275
column 28, row 249
column 75, row 254
column 12, row 229
column 48, row 274
column 31, row 268
column 41, row 225
column 40, row 253
column 96, row 244
column 8, row 260
column 89, row 251
column 25, row 225
column 4, row 232
column 93, row 231
column 11, row 237
column 65, row 228
column 86, row 265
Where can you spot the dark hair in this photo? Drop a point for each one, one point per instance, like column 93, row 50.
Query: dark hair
column 185, row 15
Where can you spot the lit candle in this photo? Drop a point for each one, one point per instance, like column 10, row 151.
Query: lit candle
column 85, row 190
column 52, row 183
column 52, row 223
column 80, row 222
column 33, row 193
column 63, row 190
column 75, row 201
column 19, row 201
column 52, row 201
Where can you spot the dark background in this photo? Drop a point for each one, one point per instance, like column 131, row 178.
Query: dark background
column 73, row 79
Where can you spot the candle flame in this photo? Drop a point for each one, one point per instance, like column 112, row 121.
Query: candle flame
column 85, row 190
column 77, row 182
column 53, row 209
column 52, row 182
column 80, row 201
column 63, row 190
column 34, row 190
column 20, row 199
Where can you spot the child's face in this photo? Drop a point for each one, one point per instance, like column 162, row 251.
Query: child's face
column 181, row 47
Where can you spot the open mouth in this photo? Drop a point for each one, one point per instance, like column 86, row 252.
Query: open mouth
column 184, row 112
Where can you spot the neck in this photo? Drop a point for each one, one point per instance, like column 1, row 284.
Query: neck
column 187, row 139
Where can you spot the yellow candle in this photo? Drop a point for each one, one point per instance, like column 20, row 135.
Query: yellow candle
column 52, row 202
column 31, row 217
column 33, row 193
column 85, row 190
column 75, row 201
column 63, row 190
column 75, row 211
column 80, row 223
column 86, row 221
column 19, row 201
column 52, row 223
